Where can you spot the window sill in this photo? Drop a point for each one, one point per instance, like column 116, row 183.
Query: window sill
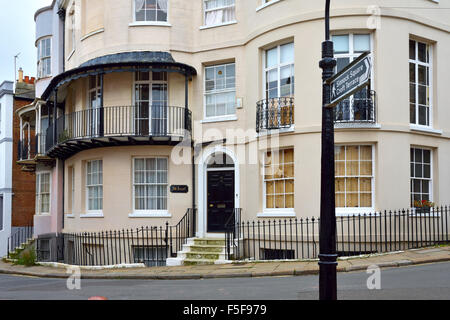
column 265, row 5
column 357, row 125
column 149, row 23
column 90, row 34
column 220, row 119
column 344, row 212
column 150, row 214
column 44, row 77
column 276, row 213
column 218, row 25
column 92, row 215
column 43, row 214
column 415, row 127
column 70, row 216
column 278, row 131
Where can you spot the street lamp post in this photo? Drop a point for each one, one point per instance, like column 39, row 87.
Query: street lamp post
column 327, row 255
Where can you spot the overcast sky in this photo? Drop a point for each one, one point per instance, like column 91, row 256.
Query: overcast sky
column 17, row 34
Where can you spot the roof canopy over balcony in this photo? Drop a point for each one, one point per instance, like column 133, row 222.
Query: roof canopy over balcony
column 121, row 62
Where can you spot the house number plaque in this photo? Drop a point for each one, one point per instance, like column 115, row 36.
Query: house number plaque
column 179, row 189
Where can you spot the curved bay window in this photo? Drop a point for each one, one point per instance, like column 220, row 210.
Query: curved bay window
column 354, row 175
column 279, row 180
column 277, row 109
column 360, row 106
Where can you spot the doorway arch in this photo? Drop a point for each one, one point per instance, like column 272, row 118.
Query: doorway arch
column 218, row 158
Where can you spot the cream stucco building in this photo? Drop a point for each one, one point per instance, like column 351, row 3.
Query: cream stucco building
column 146, row 87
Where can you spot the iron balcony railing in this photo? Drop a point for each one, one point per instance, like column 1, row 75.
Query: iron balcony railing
column 119, row 121
column 360, row 108
column 275, row 113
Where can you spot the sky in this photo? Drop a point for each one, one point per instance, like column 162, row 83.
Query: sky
column 17, row 34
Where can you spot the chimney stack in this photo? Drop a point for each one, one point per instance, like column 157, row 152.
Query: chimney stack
column 20, row 75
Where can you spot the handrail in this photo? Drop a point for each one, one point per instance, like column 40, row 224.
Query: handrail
column 119, row 121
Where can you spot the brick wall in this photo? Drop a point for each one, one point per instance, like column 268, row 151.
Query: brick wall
column 23, row 183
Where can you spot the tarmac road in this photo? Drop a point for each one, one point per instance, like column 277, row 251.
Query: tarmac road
column 430, row 281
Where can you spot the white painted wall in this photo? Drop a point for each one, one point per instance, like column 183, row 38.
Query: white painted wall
column 6, row 150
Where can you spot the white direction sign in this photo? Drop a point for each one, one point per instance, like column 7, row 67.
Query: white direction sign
column 351, row 79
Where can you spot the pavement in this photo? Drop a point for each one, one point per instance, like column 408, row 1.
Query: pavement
column 241, row 269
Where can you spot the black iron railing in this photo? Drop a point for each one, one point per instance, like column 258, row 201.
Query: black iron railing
column 179, row 233
column 137, row 121
column 275, row 113
column 360, row 108
column 355, row 235
column 19, row 238
column 151, row 245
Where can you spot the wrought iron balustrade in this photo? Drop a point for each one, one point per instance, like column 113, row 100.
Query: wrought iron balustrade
column 275, row 113
column 359, row 108
column 120, row 121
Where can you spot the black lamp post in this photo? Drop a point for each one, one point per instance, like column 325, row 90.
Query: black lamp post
column 327, row 255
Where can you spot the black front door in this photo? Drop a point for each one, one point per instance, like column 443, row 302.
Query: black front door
column 220, row 199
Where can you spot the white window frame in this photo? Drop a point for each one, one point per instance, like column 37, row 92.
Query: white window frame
column 72, row 30
column 416, row 62
column 279, row 66
column 72, row 189
column 206, row 26
column 150, row 82
column 226, row 117
column 95, row 212
column 158, row 213
column 430, row 180
column 41, row 59
column 352, row 56
column 343, row 211
column 39, row 194
column 276, row 212
column 2, row 210
column 266, row 3
column 136, row 23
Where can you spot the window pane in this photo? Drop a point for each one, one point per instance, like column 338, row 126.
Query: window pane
column 422, row 49
column 287, row 53
column 412, row 50
column 271, row 57
column 361, row 42
column 341, row 44
column 341, row 63
column 423, row 75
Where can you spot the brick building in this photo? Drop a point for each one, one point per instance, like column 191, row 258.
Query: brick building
column 23, row 177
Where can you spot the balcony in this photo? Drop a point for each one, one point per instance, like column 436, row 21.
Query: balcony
column 358, row 109
column 31, row 151
column 117, row 126
column 274, row 114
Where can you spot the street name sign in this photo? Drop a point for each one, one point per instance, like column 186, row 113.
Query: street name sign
column 351, row 79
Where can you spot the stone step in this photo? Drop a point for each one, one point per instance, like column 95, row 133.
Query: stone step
column 210, row 242
column 204, row 255
column 194, row 262
column 204, row 248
